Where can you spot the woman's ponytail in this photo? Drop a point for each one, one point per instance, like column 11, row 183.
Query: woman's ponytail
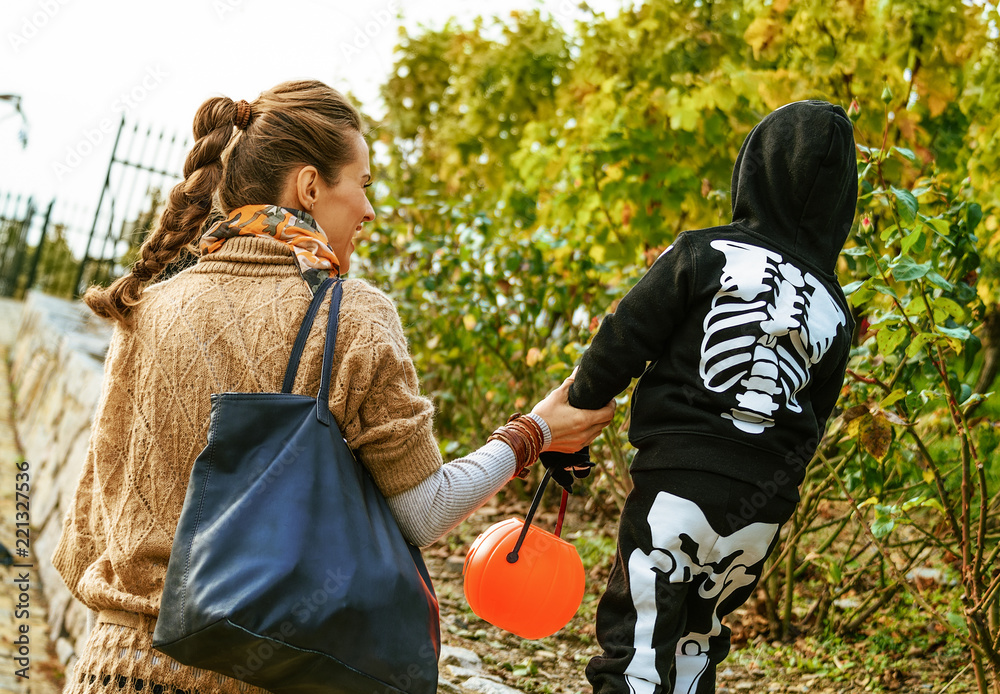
column 290, row 125
column 188, row 207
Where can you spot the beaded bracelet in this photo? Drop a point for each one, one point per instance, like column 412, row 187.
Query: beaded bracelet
column 524, row 436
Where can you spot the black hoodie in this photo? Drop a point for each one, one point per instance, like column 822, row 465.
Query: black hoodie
column 744, row 327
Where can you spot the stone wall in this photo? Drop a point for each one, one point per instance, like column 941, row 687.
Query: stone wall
column 56, row 360
column 10, row 319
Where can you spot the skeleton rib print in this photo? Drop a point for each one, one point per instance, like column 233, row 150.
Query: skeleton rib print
column 768, row 323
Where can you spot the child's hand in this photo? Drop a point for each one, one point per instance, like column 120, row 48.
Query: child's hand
column 572, row 428
column 567, row 466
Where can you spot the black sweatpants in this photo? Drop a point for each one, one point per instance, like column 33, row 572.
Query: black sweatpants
column 691, row 548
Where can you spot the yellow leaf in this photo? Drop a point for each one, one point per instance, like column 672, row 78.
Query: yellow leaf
column 613, row 172
column 854, row 425
column 685, row 116
column 534, row 354
column 760, row 34
column 852, row 418
column 469, row 321
column 928, row 476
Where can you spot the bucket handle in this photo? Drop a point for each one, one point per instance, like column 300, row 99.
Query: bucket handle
column 512, row 555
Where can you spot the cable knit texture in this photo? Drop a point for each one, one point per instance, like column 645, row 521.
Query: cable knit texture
column 225, row 325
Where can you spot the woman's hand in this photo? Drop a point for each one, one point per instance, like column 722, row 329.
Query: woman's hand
column 571, row 428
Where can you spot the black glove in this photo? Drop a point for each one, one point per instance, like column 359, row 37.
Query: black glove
column 567, row 466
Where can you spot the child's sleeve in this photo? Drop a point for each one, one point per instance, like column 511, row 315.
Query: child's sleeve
column 638, row 331
column 825, row 394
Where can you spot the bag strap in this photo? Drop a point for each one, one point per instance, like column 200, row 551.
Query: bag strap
column 300, row 339
column 323, row 399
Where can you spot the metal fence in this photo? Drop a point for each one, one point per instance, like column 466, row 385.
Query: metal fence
column 36, row 245
column 60, row 247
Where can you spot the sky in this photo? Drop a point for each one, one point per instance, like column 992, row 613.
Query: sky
column 79, row 65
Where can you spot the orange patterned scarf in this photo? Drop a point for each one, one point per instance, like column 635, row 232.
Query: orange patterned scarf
column 298, row 229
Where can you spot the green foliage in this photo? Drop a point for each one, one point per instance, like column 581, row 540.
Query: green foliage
column 915, row 257
column 532, row 174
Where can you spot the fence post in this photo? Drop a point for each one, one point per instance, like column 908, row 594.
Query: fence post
column 97, row 212
column 33, row 272
column 8, row 218
column 10, row 286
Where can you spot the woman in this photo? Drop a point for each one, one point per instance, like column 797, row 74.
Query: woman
column 290, row 171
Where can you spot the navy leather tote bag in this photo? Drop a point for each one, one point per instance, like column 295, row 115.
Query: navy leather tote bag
column 288, row 570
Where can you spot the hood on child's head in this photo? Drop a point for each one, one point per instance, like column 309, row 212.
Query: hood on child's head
column 796, row 180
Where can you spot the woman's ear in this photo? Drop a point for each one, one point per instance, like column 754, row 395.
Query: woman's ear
column 307, row 186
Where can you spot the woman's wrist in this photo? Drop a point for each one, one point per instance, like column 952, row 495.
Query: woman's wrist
column 546, row 432
column 526, row 437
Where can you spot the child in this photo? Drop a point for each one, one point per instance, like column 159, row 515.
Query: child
column 747, row 335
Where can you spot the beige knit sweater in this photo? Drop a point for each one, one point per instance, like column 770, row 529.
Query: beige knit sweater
column 227, row 324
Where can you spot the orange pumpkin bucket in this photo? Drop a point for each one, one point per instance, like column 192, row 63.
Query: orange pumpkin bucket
column 523, row 579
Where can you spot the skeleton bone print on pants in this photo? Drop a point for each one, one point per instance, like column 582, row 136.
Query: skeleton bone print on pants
column 767, row 324
column 686, row 549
